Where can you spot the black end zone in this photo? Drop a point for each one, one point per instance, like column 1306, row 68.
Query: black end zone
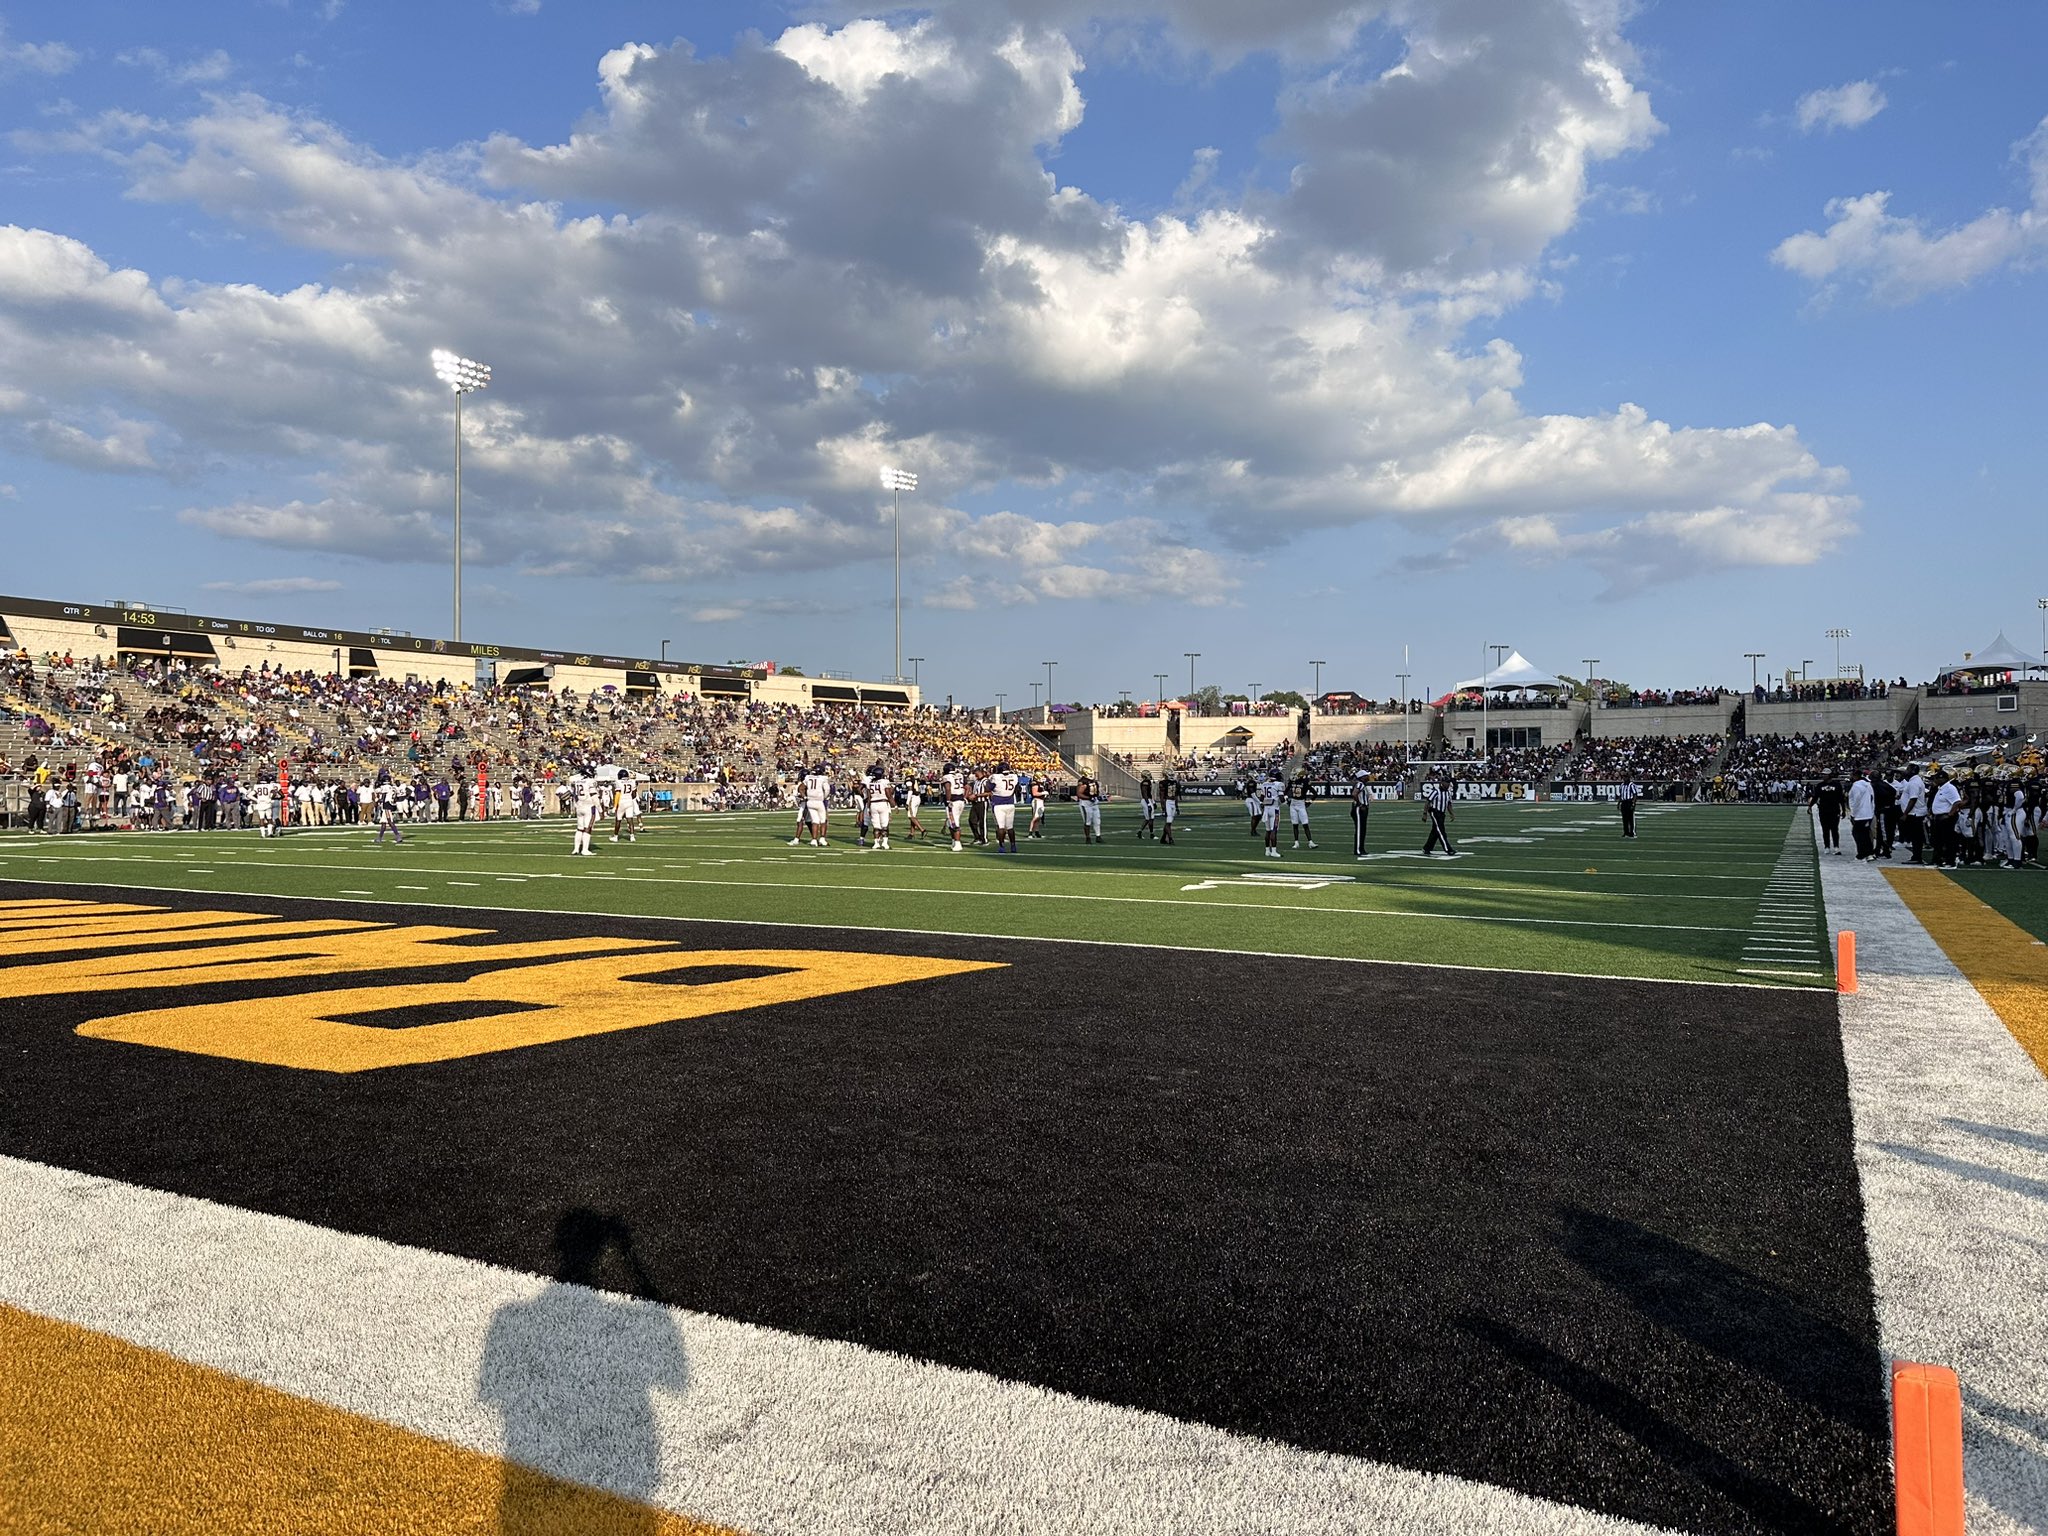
column 1596, row 1241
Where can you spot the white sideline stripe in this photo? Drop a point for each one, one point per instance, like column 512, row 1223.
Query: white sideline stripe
column 774, row 1432
column 1952, row 1144
column 1012, row 938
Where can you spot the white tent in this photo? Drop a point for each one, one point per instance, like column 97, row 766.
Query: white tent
column 1515, row 672
column 2001, row 655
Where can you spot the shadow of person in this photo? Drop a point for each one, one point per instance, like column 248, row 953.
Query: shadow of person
column 572, row 1372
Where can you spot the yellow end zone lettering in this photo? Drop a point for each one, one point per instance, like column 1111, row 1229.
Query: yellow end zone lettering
column 560, row 1001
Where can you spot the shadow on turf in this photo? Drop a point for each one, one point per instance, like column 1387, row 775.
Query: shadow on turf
column 572, row 1372
column 1748, row 1337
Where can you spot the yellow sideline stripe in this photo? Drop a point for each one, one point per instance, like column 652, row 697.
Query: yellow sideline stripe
column 1999, row 958
column 97, row 1434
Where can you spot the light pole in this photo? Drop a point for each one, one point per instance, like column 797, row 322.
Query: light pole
column 664, row 650
column 1126, row 695
column 1753, row 657
column 1034, row 698
column 1161, row 676
column 1838, row 636
column 1805, row 664
column 1404, row 676
column 915, row 662
column 1592, row 698
column 896, row 482
column 2042, row 604
column 465, row 376
column 1192, row 657
column 1485, row 677
column 999, row 705
column 1318, row 665
column 1048, row 685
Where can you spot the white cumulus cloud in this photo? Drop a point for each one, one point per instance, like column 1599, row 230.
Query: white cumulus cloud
column 1898, row 259
column 1839, row 106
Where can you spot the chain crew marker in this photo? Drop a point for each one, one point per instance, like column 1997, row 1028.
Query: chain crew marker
column 1845, row 960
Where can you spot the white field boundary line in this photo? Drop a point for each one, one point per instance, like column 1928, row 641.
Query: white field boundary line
column 842, row 887
column 775, row 1431
column 1951, row 1127
column 1016, row 938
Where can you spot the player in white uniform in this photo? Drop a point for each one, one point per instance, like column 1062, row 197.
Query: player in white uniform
column 387, row 812
column 880, row 798
column 913, row 797
column 626, row 810
column 586, row 800
column 1002, row 804
column 956, row 801
column 817, row 792
column 266, row 808
column 1270, row 793
column 1254, row 807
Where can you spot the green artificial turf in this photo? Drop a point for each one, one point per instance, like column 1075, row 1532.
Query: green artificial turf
column 1542, row 887
column 2019, row 894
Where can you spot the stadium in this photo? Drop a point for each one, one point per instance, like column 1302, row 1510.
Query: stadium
column 1579, row 1183
column 1023, row 767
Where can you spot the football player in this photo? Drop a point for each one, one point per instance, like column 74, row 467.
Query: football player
column 1088, row 796
column 956, row 799
column 626, row 809
column 1297, row 809
column 881, row 795
column 1150, row 805
column 1002, row 805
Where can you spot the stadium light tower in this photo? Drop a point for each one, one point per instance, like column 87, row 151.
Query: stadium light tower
column 896, row 482
column 1034, row 697
column 1000, row 698
column 1485, row 693
column 465, row 376
column 1404, row 675
column 1805, row 664
column 2042, row 604
column 1753, row 657
column 1318, row 665
column 1193, row 657
column 1838, row 636
column 1591, row 697
column 664, row 649
column 1161, row 676
column 1048, row 685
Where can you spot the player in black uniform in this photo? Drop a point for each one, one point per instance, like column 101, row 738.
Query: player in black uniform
column 1088, row 796
column 1169, row 796
column 1297, row 811
column 1151, row 806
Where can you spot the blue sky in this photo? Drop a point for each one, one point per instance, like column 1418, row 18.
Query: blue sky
column 1656, row 333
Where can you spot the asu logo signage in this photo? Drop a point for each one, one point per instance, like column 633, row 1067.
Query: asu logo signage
column 475, row 998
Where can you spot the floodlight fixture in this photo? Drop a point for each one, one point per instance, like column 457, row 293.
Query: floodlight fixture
column 465, row 376
column 896, row 482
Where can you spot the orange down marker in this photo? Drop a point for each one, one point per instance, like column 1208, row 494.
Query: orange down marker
column 1927, row 1449
column 1845, row 961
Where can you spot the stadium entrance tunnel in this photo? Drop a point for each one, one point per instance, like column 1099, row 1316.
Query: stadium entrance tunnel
column 1596, row 1241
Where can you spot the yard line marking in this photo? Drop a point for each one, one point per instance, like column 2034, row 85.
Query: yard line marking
column 358, row 893
column 471, row 883
column 1043, row 938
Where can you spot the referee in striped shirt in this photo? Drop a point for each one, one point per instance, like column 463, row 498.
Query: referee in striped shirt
column 1437, row 796
column 1626, row 793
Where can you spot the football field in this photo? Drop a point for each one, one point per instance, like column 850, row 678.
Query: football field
column 1703, row 894
column 711, row 1184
